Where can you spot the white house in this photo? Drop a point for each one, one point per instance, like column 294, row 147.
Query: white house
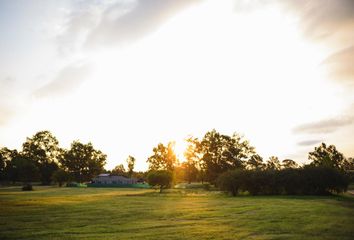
column 112, row 179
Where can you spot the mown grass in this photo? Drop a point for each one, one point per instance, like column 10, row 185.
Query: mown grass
column 111, row 213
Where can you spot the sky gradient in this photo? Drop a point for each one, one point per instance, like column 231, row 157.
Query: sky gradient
column 128, row 74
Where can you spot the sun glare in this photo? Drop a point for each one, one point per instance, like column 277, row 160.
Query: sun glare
column 179, row 149
column 256, row 61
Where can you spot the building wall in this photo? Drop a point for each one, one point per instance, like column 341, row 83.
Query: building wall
column 114, row 180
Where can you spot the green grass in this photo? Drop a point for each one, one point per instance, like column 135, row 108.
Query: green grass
column 104, row 213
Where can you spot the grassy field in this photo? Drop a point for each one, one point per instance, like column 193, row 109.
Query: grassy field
column 111, row 213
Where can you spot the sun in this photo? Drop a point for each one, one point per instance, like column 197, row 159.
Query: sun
column 179, row 149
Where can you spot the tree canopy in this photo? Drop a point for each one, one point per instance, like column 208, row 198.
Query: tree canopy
column 222, row 152
column 328, row 156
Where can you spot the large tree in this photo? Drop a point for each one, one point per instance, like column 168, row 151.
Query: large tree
column 223, row 152
column 163, row 158
column 327, row 156
column 43, row 149
column 83, row 161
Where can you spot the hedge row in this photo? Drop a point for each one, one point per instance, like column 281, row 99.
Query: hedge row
column 304, row 181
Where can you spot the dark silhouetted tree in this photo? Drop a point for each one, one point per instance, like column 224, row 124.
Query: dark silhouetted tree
column 222, row 153
column 43, row 149
column 328, row 156
column 164, row 158
column 160, row 178
column 83, row 162
column 130, row 163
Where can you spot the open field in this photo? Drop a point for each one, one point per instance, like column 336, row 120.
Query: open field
column 111, row 213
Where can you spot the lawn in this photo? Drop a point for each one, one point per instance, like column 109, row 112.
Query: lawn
column 112, row 213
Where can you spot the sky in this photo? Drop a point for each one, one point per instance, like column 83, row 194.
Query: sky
column 129, row 74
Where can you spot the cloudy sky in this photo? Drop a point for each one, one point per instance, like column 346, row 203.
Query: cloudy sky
column 128, row 74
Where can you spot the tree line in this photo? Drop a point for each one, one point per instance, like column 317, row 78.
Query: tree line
column 233, row 165
column 216, row 158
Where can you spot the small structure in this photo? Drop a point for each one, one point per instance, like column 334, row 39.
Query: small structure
column 107, row 179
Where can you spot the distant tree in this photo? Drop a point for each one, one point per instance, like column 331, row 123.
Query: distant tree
column 43, row 149
column 83, row 161
column 119, row 170
column 223, row 152
column 255, row 162
column 164, row 158
column 130, row 163
column 160, row 178
column 327, row 156
column 273, row 163
column 60, row 176
column 288, row 163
